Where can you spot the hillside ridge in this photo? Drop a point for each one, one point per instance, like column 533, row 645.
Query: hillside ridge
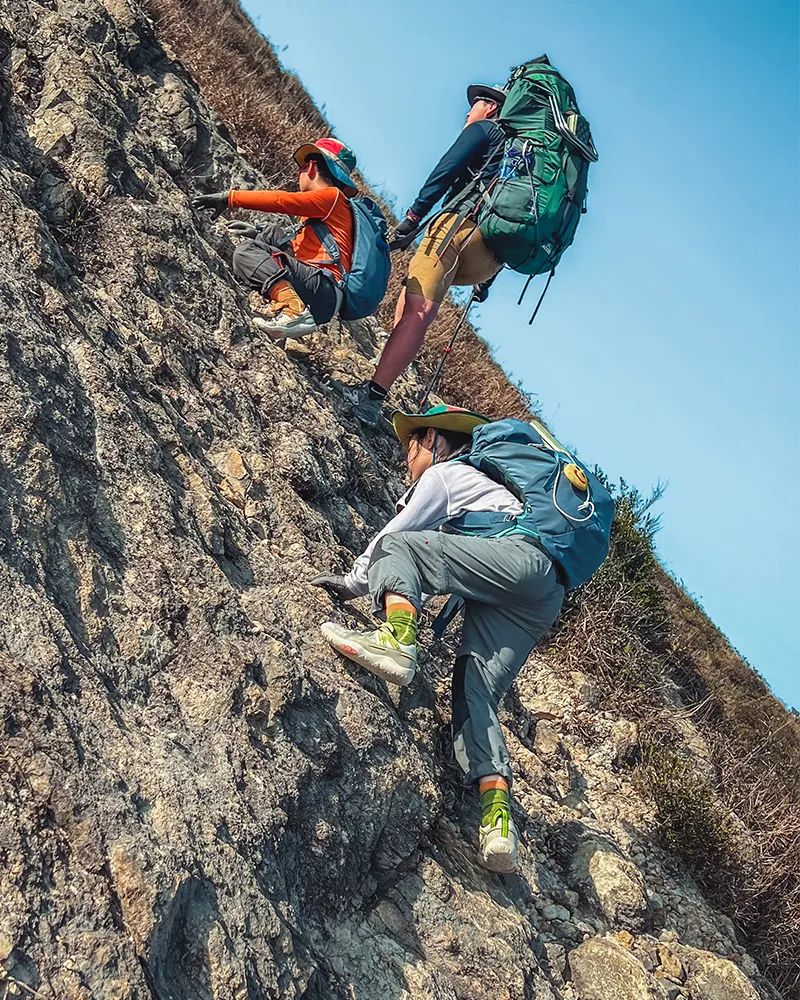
column 199, row 799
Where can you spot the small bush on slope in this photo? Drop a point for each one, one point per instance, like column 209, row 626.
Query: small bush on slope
column 631, row 626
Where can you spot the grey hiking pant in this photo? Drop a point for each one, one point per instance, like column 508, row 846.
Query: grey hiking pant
column 267, row 259
column 512, row 596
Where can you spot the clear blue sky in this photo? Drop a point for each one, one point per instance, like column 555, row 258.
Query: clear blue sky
column 668, row 345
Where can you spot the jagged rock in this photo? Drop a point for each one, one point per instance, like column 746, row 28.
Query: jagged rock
column 625, row 741
column 613, row 881
column 670, row 964
column 602, row 968
column 547, row 742
column 555, row 912
column 714, row 978
column 198, row 799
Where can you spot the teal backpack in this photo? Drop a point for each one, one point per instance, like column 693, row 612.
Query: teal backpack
column 364, row 285
column 531, row 211
column 566, row 510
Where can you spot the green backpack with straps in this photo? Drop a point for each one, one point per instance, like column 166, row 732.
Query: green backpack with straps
column 532, row 209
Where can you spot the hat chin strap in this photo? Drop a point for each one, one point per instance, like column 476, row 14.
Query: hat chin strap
column 435, row 447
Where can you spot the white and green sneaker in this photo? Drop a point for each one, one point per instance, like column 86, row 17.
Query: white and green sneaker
column 499, row 840
column 380, row 652
column 285, row 327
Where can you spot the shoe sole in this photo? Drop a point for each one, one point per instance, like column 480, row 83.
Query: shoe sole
column 500, row 862
column 381, row 424
column 498, row 855
column 390, row 672
column 280, row 332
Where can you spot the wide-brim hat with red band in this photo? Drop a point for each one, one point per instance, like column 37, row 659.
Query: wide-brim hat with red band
column 339, row 159
column 442, row 417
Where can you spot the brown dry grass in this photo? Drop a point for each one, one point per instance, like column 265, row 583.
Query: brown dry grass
column 734, row 816
column 632, row 626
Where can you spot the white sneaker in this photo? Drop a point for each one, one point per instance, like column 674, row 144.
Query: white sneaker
column 288, row 327
column 499, row 843
column 378, row 651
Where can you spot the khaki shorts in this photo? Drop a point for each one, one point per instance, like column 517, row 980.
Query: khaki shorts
column 466, row 259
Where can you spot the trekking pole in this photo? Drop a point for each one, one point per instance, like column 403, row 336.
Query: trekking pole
column 448, row 350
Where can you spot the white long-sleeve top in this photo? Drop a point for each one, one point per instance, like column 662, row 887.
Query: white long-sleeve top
column 442, row 492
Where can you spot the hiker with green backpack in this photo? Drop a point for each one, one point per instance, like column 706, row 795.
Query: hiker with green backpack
column 336, row 263
column 502, row 518
column 514, row 185
column 452, row 250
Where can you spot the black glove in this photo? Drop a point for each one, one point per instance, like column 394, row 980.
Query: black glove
column 404, row 234
column 216, row 203
column 241, row 230
column 480, row 293
column 335, row 586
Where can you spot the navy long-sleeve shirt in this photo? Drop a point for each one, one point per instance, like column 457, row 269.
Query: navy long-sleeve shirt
column 476, row 152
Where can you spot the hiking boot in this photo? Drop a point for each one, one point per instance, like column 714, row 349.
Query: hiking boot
column 369, row 411
column 262, row 311
column 366, row 408
column 378, row 651
column 288, row 327
column 499, row 840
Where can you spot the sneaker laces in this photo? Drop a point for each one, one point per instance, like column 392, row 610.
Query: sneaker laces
column 386, row 637
column 496, row 810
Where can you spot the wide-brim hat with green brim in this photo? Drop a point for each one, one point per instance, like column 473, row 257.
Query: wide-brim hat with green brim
column 476, row 91
column 339, row 159
column 442, row 417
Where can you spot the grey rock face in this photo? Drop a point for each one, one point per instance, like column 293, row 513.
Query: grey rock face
column 603, row 968
column 199, row 800
column 614, row 881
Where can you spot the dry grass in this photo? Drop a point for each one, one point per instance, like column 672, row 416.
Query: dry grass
column 734, row 817
column 753, row 862
column 632, row 626
column 740, row 835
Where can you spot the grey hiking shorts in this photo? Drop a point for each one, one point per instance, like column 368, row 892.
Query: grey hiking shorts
column 267, row 259
column 511, row 598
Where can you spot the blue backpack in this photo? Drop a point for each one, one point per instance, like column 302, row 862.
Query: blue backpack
column 565, row 507
column 364, row 285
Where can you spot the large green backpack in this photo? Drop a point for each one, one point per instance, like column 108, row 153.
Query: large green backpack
column 531, row 211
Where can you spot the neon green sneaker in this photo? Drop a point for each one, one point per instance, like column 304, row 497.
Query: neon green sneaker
column 499, row 840
column 379, row 652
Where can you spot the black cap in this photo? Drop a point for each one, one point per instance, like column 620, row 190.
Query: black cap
column 476, row 91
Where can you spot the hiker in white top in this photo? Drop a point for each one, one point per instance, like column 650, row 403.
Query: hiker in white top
column 442, row 492
column 511, row 591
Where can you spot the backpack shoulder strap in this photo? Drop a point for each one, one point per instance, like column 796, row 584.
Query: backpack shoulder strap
column 329, row 244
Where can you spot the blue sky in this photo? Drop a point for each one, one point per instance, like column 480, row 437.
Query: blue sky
column 668, row 345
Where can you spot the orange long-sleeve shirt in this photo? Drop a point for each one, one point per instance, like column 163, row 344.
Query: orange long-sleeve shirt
column 329, row 205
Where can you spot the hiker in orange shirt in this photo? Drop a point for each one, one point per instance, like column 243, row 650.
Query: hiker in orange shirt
column 296, row 275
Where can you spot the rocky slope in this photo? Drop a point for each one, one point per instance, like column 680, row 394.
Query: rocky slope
column 198, row 799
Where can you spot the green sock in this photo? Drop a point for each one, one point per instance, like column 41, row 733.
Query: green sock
column 494, row 801
column 403, row 625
